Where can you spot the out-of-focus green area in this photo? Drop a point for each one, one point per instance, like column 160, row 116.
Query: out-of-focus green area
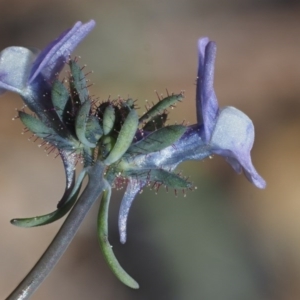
column 225, row 240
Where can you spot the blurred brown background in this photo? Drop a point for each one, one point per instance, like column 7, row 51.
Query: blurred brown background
column 227, row 240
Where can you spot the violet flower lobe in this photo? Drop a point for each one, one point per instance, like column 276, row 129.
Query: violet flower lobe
column 28, row 72
column 227, row 131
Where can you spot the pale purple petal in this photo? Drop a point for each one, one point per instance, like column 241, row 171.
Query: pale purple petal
column 15, row 67
column 133, row 187
column 249, row 171
column 202, row 43
column 208, row 99
column 52, row 59
column 233, row 138
column 201, row 53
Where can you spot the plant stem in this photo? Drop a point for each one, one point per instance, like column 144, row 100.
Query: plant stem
column 64, row 236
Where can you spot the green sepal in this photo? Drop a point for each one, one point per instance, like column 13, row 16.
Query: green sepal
column 35, row 125
column 158, row 140
column 94, row 130
column 160, row 176
column 105, row 246
column 107, row 142
column 46, row 133
column 156, row 122
column 169, row 179
column 55, row 215
column 88, row 156
column 109, row 118
column 101, row 109
column 59, row 96
column 161, row 106
column 125, row 138
column 80, row 124
column 78, row 83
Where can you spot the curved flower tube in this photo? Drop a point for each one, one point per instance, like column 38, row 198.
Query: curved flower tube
column 227, row 131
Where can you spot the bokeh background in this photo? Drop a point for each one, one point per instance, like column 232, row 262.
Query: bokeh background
column 227, row 239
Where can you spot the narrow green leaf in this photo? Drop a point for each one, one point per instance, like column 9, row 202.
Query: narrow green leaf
column 80, row 124
column 161, row 106
column 78, row 83
column 109, row 118
column 55, row 215
column 160, row 176
column 156, row 122
column 93, row 130
column 169, row 179
column 124, row 138
column 47, row 133
column 88, row 156
column 59, row 96
column 107, row 142
column 35, row 125
column 105, row 246
column 158, row 140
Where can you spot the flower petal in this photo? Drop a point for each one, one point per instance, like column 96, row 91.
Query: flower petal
column 15, row 67
column 233, row 138
column 133, row 187
column 52, row 59
column 208, row 99
column 201, row 54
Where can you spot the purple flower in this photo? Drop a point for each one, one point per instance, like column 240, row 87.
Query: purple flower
column 30, row 74
column 227, row 132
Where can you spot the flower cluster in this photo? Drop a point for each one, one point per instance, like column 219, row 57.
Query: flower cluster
column 134, row 150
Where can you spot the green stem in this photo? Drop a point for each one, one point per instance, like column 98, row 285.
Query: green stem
column 105, row 245
column 64, row 236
